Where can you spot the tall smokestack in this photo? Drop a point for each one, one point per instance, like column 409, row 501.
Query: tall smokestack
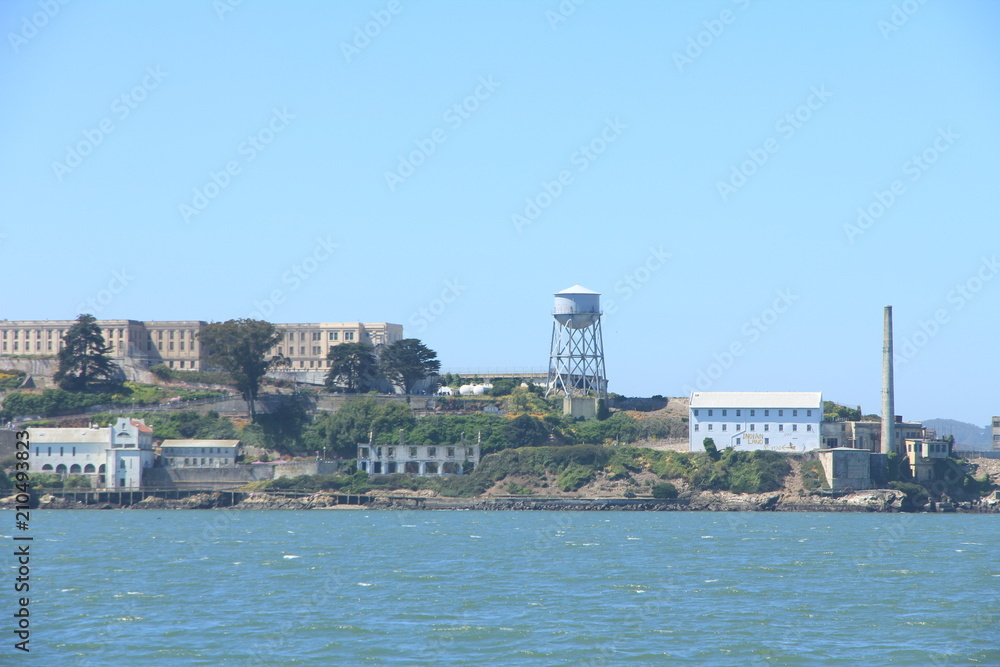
column 888, row 397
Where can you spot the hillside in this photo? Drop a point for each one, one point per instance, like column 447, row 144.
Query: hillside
column 967, row 436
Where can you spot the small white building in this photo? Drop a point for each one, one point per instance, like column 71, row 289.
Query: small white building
column 113, row 456
column 198, row 453
column 749, row 420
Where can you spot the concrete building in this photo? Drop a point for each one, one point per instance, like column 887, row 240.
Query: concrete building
column 749, row 420
column 867, row 435
column 198, row 453
column 846, row 468
column 922, row 454
column 176, row 344
column 996, row 433
column 115, row 456
column 458, row 459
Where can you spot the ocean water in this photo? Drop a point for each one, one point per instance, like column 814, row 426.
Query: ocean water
column 364, row 587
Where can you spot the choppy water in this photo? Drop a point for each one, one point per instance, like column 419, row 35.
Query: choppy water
column 509, row 588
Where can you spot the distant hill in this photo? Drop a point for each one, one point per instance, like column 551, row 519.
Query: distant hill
column 966, row 435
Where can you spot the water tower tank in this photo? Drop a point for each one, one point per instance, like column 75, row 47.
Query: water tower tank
column 577, row 307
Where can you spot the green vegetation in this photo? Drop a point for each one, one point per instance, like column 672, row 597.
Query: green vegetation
column 664, row 491
column 405, row 362
column 11, row 379
column 710, row 449
column 53, row 402
column 84, row 364
column 164, row 372
column 574, row 476
column 353, row 366
column 813, row 476
column 240, row 348
column 836, row 412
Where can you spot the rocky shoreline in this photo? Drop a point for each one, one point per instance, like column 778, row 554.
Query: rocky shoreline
column 881, row 500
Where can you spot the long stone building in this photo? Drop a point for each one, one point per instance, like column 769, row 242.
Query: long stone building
column 176, row 344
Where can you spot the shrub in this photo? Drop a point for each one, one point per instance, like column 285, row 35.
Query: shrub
column 664, row 491
column 573, row 477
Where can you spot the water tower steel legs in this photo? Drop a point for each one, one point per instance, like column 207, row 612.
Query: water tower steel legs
column 576, row 364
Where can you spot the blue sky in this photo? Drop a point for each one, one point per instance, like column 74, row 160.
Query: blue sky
column 701, row 164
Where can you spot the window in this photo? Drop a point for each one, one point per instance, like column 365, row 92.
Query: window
column 795, row 413
column 723, row 413
column 753, row 413
column 696, row 427
column 724, row 427
column 182, row 361
column 809, row 427
column 171, row 335
column 364, row 452
column 709, row 413
column 751, row 427
column 316, row 349
column 171, row 346
column 781, row 413
column 182, row 345
column 781, row 427
column 795, row 427
column 333, row 335
column 413, row 452
column 809, row 413
column 348, row 335
column 316, row 335
column 737, row 441
column 767, row 427
column 767, row 441
column 738, row 413
column 432, row 452
column 451, row 452
column 302, row 350
column 302, row 335
column 291, row 336
column 392, row 452
column 695, row 413
column 709, row 427
column 280, row 352
column 767, row 413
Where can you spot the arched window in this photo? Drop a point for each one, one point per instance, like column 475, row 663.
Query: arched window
column 75, row 469
column 61, row 469
column 47, row 467
column 89, row 468
column 101, row 469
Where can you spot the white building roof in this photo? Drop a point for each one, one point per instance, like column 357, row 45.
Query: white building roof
column 757, row 399
column 200, row 443
column 68, row 435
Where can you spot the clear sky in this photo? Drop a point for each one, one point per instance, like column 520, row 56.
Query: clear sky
column 753, row 176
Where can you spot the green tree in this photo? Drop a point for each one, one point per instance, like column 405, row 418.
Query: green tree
column 352, row 366
column 525, row 431
column 664, row 491
column 83, row 361
column 405, row 362
column 240, row 347
column 711, row 449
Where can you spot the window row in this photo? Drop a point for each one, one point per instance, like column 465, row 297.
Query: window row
column 753, row 412
column 318, row 335
column 753, row 427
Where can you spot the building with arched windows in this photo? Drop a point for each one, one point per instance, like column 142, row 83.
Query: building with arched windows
column 114, row 456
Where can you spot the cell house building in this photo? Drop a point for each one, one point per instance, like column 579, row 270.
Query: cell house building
column 750, row 420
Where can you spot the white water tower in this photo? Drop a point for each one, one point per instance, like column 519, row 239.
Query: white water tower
column 576, row 360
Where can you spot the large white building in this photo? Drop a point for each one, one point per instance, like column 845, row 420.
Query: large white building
column 114, row 456
column 749, row 420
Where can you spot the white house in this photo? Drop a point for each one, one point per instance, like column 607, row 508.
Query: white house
column 749, row 420
column 198, row 453
column 113, row 456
